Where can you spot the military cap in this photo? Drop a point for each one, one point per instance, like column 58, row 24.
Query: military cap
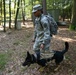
column 36, row 8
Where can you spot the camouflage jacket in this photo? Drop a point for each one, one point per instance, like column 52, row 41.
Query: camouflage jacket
column 42, row 32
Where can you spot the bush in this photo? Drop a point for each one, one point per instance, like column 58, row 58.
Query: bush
column 72, row 27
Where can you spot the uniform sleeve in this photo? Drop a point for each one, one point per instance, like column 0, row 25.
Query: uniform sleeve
column 46, row 29
column 35, row 34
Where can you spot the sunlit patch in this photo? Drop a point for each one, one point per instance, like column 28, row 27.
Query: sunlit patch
column 74, row 36
column 65, row 39
column 27, row 25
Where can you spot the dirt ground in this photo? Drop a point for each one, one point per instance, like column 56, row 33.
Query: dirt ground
column 18, row 42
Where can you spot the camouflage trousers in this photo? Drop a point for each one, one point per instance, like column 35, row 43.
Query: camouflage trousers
column 45, row 52
column 36, row 46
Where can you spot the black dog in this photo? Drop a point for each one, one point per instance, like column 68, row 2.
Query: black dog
column 58, row 56
column 30, row 59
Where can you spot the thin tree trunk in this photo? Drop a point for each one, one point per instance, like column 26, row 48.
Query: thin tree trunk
column 10, row 14
column 4, row 16
column 0, row 11
column 1, row 6
column 23, row 12
column 17, row 14
column 44, row 4
column 1, row 2
column 24, row 5
column 14, row 6
column 63, row 15
column 74, row 15
column 32, row 14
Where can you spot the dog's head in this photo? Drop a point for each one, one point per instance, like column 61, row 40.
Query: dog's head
column 28, row 60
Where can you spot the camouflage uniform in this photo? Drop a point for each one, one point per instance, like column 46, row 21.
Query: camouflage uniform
column 41, row 33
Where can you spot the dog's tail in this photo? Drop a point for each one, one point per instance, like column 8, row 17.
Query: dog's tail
column 66, row 48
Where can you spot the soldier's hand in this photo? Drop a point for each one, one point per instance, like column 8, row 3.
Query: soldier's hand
column 42, row 46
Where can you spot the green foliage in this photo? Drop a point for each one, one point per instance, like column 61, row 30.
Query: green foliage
column 58, row 4
column 65, row 7
column 51, row 4
column 72, row 27
column 29, row 6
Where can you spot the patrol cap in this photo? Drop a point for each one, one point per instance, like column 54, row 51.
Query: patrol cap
column 36, row 8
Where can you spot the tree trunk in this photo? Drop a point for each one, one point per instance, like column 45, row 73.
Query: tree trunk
column 1, row 7
column 24, row 5
column 44, row 4
column 17, row 14
column 10, row 14
column 14, row 6
column 4, row 16
column 0, row 11
column 73, row 25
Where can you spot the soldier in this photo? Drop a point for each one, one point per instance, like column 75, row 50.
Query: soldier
column 42, row 32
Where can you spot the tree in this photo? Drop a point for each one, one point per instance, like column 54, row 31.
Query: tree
column 17, row 14
column 14, row 6
column 10, row 14
column 4, row 16
column 44, row 6
column 0, row 10
column 73, row 25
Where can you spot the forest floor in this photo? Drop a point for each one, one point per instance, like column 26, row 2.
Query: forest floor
column 15, row 43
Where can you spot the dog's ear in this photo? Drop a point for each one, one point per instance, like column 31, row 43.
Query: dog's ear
column 28, row 54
